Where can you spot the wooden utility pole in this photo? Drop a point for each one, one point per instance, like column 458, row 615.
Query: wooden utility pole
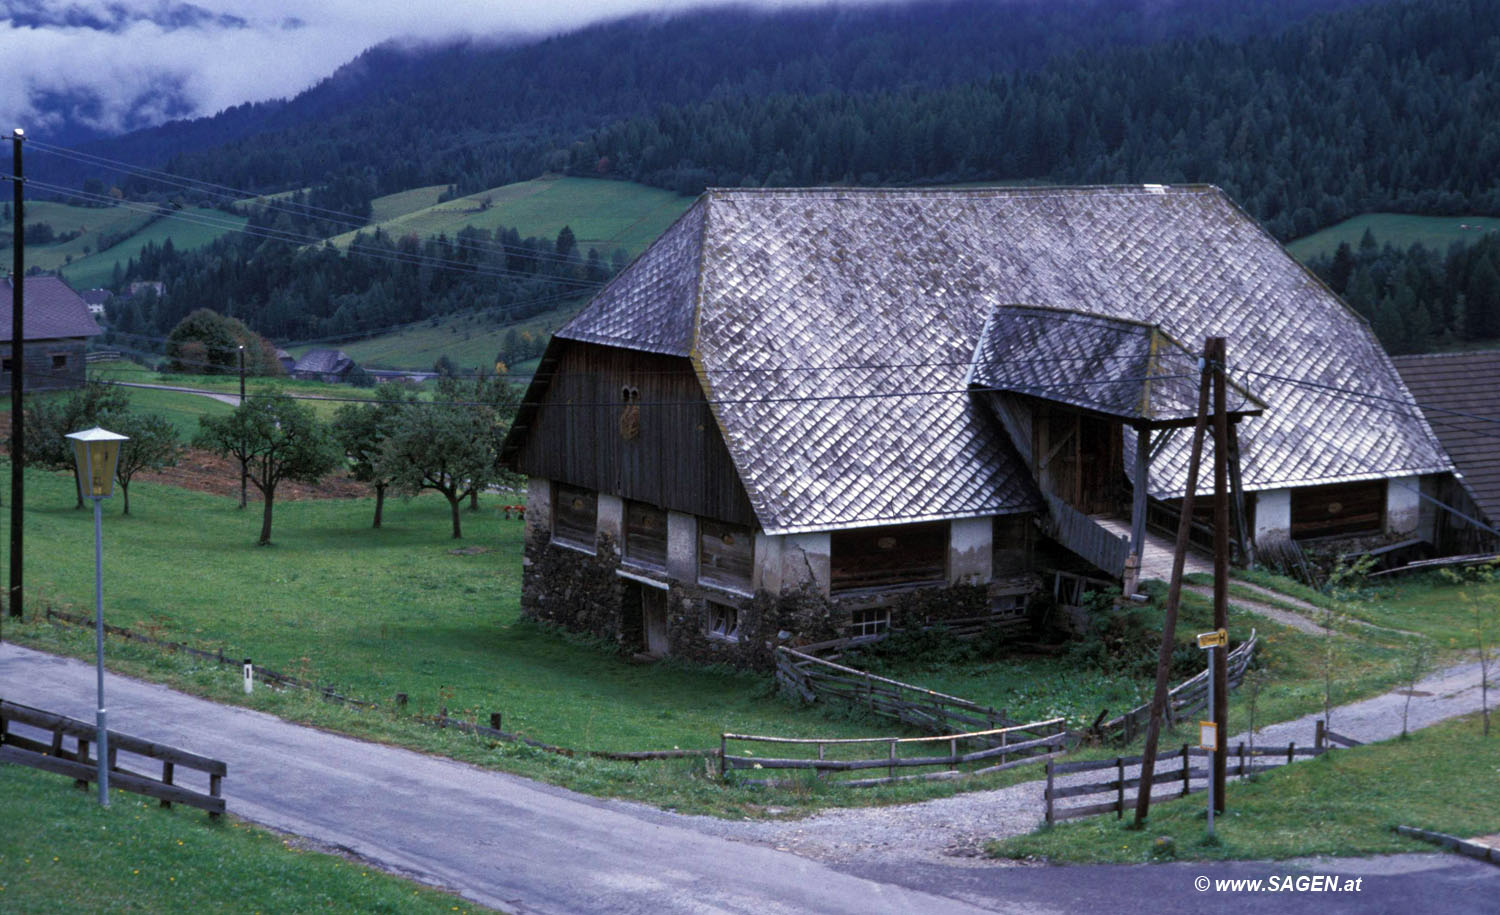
column 1215, row 353
column 244, row 467
column 17, row 373
column 1174, row 597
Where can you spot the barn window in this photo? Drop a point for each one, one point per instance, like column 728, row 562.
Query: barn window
column 1340, row 510
column 884, row 557
column 645, row 535
column 725, row 555
column 723, row 621
column 870, row 621
column 575, row 517
column 59, row 360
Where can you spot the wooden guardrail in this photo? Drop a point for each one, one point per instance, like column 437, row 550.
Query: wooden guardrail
column 994, row 744
column 52, row 756
column 1182, row 775
column 1184, row 700
column 1323, row 736
column 813, row 678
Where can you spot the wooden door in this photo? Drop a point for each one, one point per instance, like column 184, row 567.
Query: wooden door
column 654, row 621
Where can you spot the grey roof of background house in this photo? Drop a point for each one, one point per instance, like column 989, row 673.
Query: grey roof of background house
column 52, row 310
column 833, row 330
column 323, row 361
column 1460, row 395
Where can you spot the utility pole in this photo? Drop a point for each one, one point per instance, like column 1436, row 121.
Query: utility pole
column 244, row 470
column 17, row 373
column 1220, row 658
column 1174, row 597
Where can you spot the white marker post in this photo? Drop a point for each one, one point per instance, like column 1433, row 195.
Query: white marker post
column 249, row 677
column 1208, row 731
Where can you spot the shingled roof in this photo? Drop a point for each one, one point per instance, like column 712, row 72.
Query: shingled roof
column 52, row 310
column 1460, row 395
column 833, row 331
column 1129, row 370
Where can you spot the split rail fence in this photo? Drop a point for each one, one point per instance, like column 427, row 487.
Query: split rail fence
column 937, row 713
column 51, row 755
column 997, row 749
column 1243, row 762
column 1185, row 699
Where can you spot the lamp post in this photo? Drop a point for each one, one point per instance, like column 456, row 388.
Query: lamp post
column 97, row 451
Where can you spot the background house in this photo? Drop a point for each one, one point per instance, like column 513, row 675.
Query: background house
column 329, row 365
column 805, row 413
column 57, row 327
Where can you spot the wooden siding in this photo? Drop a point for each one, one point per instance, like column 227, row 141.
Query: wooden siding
column 658, row 443
column 575, row 515
column 42, row 371
column 726, row 555
column 645, row 535
column 1340, row 510
column 882, row 557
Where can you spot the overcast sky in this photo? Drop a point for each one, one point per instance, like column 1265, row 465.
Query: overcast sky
column 223, row 52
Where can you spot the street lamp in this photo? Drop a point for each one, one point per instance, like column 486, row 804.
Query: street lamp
column 97, row 451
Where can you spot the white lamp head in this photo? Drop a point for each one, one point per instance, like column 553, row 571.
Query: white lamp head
column 96, row 452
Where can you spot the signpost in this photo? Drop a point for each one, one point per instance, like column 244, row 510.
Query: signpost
column 1208, row 731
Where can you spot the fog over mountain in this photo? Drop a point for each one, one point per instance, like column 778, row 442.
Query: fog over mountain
column 87, row 67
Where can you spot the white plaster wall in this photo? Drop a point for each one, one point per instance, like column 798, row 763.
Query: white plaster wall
column 971, row 551
column 768, row 559
column 1273, row 514
column 538, row 506
column 805, row 559
column 682, row 546
column 612, row 518
column 1403, row 505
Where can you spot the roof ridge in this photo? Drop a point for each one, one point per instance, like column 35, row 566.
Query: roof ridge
column 1010, row 190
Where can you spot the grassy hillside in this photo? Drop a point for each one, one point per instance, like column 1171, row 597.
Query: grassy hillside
column 64, row 218
column 1399, row 229
column 469, row 340
column 603, row 214
column 391, row 206
column 197, row 227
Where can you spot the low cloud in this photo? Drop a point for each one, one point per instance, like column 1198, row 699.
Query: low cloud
column 122, row 64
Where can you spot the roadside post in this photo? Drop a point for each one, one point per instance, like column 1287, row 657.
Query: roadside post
column 1208, row 731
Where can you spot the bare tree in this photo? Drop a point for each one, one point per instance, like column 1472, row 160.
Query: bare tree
column 1414, row 666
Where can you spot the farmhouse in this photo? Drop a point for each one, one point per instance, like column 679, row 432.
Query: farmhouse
column 803, row 414
column 328, row 365
column 57, row 325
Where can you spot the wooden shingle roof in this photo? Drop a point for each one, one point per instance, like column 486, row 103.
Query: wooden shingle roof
column 833, row 330
column 53, row 310
column 1460, row 395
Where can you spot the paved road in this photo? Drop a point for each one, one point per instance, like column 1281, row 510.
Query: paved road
column 514, row 844
column 232, row 399
column 503, row 841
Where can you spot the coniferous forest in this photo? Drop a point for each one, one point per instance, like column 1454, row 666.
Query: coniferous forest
column 1306, row 112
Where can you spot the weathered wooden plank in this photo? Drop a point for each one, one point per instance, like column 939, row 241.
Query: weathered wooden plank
column 118, row 778
column 76, row 728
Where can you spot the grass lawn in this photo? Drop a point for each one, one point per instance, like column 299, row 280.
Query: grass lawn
column 603, row 214
column 1399, row 229
column 384, row 209
column 199, row 227
column 1346, row 802
column 471, row 341
column 184, row 409
column 62, row 852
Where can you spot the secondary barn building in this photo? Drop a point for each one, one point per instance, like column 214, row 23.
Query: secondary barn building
column 810, row 413
column 57, row 328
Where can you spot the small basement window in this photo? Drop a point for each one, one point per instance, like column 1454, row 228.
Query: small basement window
column 645, row 535
column 723, row 621
column 891, row 556
column 870, row 621
column 726, row 554
column 59, row 360
column 575, row 516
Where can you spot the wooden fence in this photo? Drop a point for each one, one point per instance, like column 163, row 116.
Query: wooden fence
column 1185, row 699
column 998, row 749
column 813, row 678
column 50, row 755
column 1242, row 763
